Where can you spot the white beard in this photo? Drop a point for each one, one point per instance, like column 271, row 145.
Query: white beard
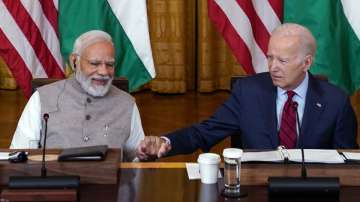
column 94, row 90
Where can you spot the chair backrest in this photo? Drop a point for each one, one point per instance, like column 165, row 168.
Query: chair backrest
column 234, row 79
column 120, row 82
column 235, row 140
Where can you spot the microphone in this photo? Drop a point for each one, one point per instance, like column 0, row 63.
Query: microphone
column 303, row 186
column 45, row 118
column 303, row 168
column 43, row 166
column 43, row 181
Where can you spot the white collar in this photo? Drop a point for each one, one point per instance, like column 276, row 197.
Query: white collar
column 300, row 90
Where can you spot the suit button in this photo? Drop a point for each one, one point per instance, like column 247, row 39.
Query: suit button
column 87, row 117
column 88, row 100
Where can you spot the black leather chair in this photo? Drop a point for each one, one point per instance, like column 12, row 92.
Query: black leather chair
column 120, row 82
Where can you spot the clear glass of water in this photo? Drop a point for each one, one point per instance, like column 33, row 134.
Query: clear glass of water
column 232, row 171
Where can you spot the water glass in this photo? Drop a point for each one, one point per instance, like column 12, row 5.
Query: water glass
column 232, row 171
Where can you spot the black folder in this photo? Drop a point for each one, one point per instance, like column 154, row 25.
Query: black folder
column 97, row 152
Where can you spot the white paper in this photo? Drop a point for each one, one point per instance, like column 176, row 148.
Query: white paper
column 268, row 156
column 4, row 155
column 316, row 156
column 352, row 155
column 311, row 156
column 193, row 171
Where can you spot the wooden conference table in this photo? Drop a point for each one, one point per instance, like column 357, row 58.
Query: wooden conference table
column 169, row 181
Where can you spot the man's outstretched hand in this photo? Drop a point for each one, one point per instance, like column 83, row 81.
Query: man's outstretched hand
column 152, row 147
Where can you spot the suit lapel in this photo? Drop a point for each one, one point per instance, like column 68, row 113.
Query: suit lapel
column 268, row 103
column 314, row 106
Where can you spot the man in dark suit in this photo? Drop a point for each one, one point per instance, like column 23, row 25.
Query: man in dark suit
column 265, row 109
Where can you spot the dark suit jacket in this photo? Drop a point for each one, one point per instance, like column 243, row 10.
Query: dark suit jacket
column 328, row 122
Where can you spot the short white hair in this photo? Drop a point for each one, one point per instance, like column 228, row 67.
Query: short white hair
column 307, row 43
column 88, row 38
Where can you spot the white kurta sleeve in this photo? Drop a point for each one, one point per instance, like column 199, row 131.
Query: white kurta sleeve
column 27, row 132
column 136, row 135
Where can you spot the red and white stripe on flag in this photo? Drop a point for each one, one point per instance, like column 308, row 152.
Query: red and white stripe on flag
column 246, row 26
column 29, row 41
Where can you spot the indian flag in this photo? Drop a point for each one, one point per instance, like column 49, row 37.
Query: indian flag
column 336, row 27
column 125, row 20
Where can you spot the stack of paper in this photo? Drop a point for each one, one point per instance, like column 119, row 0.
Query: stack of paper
column 294, row 155
column 316, row 156
column 266, row 156
column 4, row 155
column 352, row 156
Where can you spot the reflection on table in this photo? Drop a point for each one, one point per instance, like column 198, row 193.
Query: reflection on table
column 169, row 181
column 161, row 182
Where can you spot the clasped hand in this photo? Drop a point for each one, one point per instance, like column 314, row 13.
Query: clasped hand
column 152, row 147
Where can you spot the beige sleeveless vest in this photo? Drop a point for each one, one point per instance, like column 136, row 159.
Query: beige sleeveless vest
column 77, row 119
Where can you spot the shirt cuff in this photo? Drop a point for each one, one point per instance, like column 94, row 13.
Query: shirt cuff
column 167, row 140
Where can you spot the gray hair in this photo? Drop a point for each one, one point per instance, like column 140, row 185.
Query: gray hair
column 307, row 40
column 88, row 38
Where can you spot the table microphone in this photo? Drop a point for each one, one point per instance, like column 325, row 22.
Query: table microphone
column 43, row 181
column 43, row 166
column 304, row 185
column 303, row 167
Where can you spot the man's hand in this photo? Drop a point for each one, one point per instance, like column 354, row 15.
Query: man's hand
column 152, row 147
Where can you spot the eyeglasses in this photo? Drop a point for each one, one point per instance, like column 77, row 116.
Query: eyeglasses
column 98, row 63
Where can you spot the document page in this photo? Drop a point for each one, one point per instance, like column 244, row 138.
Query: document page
column 4, row 155
column 316, row 156
column 193, row 171
column 265, row 156
column 352, row 156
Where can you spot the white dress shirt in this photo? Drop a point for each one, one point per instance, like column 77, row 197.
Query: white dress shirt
column 299, row 97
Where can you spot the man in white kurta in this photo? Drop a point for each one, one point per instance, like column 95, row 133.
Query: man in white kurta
column 85, row 109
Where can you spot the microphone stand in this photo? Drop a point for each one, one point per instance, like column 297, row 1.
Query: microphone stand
column 303, row 168
column 43, row 166
column 43, row 181
column 304, row 185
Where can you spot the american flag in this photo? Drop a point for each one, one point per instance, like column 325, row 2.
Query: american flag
column 29, row 41
column 246, row 26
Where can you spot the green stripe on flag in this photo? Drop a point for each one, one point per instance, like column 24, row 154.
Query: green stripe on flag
column 338, row 52
column 79, row 16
